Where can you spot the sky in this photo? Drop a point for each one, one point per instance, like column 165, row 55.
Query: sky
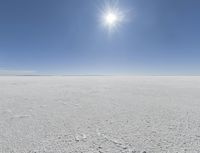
column 156, row 37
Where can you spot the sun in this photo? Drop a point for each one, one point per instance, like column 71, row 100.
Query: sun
column 112, row 16
column 111, row 19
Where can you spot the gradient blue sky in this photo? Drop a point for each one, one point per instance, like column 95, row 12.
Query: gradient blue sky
column 160, row 37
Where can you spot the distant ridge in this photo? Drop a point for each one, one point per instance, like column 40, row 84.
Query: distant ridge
column 5, row 72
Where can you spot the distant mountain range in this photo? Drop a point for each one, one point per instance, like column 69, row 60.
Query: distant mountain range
column 16, row 72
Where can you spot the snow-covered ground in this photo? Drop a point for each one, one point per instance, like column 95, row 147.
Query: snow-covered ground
column 99, row 114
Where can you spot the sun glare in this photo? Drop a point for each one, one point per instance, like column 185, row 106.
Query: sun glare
column 112, row 16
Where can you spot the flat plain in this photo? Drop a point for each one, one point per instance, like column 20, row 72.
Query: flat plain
column 99, row 114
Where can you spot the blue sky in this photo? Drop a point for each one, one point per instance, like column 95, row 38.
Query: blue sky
column 158, row 37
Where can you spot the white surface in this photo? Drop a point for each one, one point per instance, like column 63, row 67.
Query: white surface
column 99, row 114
